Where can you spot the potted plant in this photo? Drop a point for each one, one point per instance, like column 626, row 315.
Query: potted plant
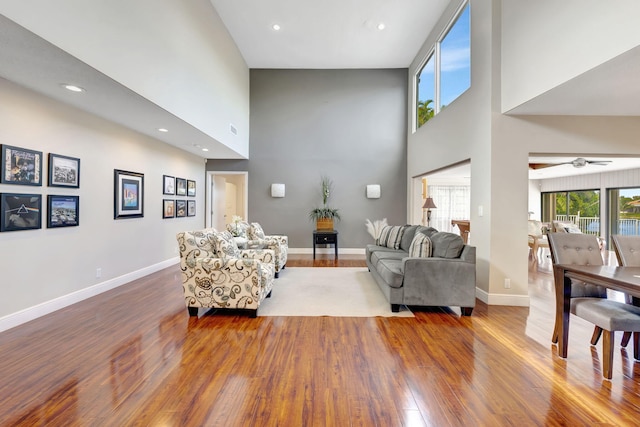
column 325, row 215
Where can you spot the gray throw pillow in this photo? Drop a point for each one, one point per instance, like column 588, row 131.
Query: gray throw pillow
column 446, row 245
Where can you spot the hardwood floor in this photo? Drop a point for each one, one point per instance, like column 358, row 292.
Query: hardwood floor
column 132, row 356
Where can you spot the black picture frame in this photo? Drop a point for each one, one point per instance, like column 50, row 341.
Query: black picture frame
column 181, row 187
column 64, row 171
column 21, row 166
column 191, row 208
column 191, row 188
column 168, row 184
column 20, row 211
column 128, row 194
column 168, row 208
column 181, row 208
column 63, row 211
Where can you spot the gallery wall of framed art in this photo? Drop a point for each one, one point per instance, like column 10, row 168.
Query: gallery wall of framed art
column 178, row 208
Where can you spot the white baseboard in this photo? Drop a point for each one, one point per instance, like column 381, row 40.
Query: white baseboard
column 330, row 251
column 503, row 299
column 32, row 313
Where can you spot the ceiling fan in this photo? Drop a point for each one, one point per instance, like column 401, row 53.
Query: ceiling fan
column 577, row 163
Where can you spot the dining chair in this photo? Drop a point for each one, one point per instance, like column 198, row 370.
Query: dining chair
column 627, row 249
column 589, row 301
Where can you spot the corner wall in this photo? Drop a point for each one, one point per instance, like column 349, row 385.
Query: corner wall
column 43, row 269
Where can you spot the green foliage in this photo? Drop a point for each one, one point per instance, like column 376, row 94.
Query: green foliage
column 325, row 212
column 425, row 111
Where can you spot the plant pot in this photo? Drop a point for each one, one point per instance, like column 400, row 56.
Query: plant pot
column 324, row 224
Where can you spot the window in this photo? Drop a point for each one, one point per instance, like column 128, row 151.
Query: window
column 580, row 207
column 446, row 73
column 624, row 211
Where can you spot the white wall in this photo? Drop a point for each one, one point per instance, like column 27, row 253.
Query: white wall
column 548, row 42
column 46, row 268
column 177, row 54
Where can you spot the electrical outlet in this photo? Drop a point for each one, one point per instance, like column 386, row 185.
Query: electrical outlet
column 98, row 272
column 507, row 283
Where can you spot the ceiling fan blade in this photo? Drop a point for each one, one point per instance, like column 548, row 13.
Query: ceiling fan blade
column 599, row 162
column 545, row 165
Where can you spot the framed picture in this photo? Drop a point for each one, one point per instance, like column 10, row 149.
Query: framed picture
column 168, row 184
column 63, row 211
column 181, row 208
column 64, row 171
column 20, row 211
column 128, row 194
column 181, row 187
column 191, row 208
column 191, row 188
column 168, row 208
column 21, row 166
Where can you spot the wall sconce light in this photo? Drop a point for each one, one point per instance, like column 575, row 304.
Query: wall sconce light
column 373, row 191
column 277, row 190
column 428, row 205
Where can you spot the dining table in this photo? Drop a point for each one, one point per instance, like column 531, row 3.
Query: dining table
column 623, row 279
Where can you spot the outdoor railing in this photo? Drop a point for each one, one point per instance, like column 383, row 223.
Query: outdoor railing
column 591, row 225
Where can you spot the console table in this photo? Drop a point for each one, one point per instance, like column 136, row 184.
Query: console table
column 325, row 237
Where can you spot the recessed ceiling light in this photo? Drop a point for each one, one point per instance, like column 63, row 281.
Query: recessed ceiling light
column 381, row 26
column 163, row 130
column 72, row 88
column 276, row 27
column 205, row 149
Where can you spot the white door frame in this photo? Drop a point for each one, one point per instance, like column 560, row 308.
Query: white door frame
column 209, row 194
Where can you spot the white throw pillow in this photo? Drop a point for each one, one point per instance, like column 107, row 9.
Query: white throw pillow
column 420, row 246
column 391, row 236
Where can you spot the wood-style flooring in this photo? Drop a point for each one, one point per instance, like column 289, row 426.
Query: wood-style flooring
column 133, row 357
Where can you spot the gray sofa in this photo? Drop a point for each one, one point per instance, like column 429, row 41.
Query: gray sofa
column 446, row 278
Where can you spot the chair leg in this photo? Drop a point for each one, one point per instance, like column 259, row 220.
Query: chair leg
column 636, row 345
column 607, row 354
column 554, row 337
column 193, row 311
column 597, row 331
column 395, row 308
column 625, row 339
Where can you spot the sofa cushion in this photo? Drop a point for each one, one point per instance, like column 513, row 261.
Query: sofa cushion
column 385, row 255
column 429, row 231
column 390, row 236
column 391, row 272
column 224, row 245
column 407, row 237
column 420, row 246
column 446, row 245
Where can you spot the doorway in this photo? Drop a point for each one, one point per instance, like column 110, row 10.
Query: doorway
column 227, row 195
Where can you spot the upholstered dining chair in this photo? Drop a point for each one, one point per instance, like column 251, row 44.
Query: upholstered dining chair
column 589, row 301
column 627, row 249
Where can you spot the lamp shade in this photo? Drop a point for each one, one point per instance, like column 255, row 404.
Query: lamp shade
column 428, row 204
column 277, row 190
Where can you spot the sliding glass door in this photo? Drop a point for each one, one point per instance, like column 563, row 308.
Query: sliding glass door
column 624, row 211
column 580, row 207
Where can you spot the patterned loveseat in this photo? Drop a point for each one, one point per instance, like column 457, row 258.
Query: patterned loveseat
column 216, row 274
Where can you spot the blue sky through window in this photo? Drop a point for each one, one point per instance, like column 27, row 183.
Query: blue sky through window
column 455, row 64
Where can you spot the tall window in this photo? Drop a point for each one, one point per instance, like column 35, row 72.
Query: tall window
column 580, row 207
column 447, row 72
column 624, row 211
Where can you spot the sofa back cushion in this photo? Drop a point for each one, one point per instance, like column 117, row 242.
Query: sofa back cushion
column 195, row 244
column 255, row 231
column 407, row 237
column 420, row 246
column 225, row 246
column 391, row 236
column 446, row 245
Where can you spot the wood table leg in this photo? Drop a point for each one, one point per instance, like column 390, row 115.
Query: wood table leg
column 563, row 307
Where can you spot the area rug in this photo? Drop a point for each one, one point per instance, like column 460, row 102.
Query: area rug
column 328, row 291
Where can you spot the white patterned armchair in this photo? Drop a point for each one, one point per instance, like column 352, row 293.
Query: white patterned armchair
column 255, row 236
column 216, row 274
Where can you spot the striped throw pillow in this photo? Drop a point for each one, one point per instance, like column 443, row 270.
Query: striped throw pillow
column 420, row 246
column 391, row 236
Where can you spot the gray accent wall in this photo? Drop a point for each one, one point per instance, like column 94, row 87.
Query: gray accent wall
column 349, row 125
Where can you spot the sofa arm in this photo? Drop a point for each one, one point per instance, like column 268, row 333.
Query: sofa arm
column 283, row 240
column 263, row 255
column 225, row 283
column 440, row 281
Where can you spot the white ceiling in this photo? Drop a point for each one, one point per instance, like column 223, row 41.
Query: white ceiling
column 326, row 34
column 331, row 34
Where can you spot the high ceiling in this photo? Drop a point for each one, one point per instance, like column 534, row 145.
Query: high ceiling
column 330, row 34
column 312, row 35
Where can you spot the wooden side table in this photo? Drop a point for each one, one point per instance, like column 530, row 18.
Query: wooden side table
column 328, row 237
